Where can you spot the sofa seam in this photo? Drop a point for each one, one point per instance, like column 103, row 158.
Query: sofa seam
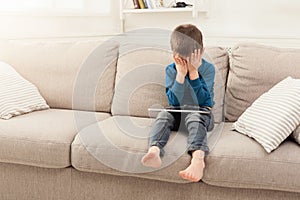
column 28, row 163
column 236, row 158
column 33, row 141
column 206, row 180
column 126, row 148
column 119, row 173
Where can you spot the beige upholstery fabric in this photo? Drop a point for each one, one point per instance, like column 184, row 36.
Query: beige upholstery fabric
column 219, row 57
column 42, row 138
column 296, row 134
column 117, row 144
column 254, row 69
column 91, row 186
column 238, row 161
column 140, row 80
column 26, row 182
column 54, row 67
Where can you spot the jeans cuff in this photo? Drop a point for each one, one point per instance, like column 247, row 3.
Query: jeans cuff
column 161, row 152
column 202, row 148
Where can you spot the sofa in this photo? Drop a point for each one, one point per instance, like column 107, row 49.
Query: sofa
column 88, row 145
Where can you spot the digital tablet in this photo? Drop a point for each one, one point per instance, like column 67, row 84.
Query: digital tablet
column 181, row 109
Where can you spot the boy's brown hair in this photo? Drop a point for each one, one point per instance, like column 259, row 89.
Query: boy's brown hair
column 185, row 39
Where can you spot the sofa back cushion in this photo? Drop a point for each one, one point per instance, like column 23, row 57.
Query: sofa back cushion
column 140, row 79
column 54, row 67
column 254, row 69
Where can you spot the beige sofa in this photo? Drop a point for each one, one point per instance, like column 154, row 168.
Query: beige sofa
column 88, row 145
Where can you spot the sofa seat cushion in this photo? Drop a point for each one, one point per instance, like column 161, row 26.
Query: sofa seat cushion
column 239, row 161
column 41, row 138
column 116, row 146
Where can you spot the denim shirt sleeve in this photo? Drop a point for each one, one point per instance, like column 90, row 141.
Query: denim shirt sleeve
column 174, row 90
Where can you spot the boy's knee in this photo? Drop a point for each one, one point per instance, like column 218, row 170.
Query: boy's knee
column 163, row 115
column 194, row 117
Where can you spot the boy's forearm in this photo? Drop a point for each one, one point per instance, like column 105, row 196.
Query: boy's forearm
column 201, row 91
column 176, row 92
column 180, row 78
column 193, row 75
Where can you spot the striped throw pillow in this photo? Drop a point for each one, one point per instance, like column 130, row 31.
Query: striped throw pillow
column 273, row 116
column 17, row 95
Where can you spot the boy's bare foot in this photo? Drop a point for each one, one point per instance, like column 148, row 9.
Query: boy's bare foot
column 152, row 158
column 194, row 172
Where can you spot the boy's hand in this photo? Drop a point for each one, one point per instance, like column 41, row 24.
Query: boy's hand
column 181, row 67
column 194, row 62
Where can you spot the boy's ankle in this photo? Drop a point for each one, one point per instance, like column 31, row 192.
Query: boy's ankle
column 198, row 155
column 154, row 148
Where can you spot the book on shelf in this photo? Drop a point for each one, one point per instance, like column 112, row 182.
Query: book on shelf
column 136, row 4
column 151, row 4
column 145, row 4
column 141, row 4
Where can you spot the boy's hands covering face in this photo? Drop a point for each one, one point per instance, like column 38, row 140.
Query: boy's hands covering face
column 181, row 67
column 195, row 60
column 189, row 65
column 194, row 63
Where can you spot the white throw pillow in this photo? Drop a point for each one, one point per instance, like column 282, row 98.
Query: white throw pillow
column 17, row 95
column 273, row 116
column 296, row 134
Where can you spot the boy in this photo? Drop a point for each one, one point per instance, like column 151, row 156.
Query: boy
column 189, row 82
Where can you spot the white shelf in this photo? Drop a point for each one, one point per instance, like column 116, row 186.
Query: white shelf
column 158, row 10
column 198, row 6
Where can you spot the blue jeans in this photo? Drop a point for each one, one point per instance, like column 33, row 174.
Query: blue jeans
column 196, row 125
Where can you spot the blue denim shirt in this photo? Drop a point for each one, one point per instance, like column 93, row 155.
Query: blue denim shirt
column 192, row 92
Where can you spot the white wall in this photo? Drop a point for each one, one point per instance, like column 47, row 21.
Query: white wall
column 53, row 22
column 274, row 22
column 52, row 26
